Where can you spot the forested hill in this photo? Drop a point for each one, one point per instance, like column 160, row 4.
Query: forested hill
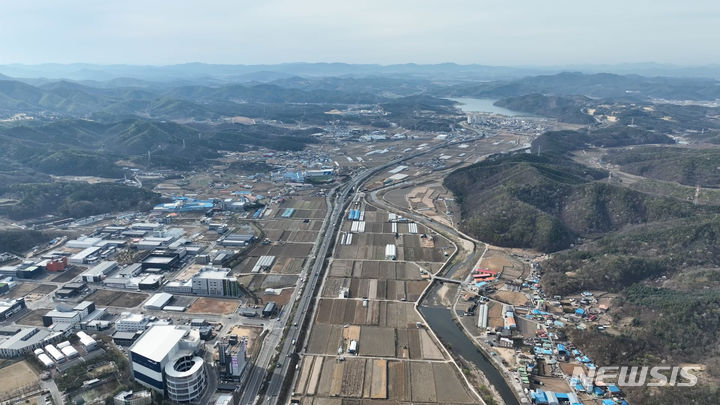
column 543, row 203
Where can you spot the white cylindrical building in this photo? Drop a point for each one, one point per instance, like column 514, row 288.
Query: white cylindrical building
column 185, row 378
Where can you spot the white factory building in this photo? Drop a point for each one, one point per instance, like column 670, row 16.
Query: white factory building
column 165, row 359
column 130, row 322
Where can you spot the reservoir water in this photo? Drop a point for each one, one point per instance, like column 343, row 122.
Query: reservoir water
column 484, row 105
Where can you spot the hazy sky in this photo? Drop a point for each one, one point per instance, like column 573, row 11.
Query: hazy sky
column 503, row 32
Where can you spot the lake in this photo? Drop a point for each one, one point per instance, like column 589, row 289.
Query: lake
column 483, row 105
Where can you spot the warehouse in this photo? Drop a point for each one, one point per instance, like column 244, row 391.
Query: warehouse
column 69, row 352
column 85, row 256
column 70, row 290
column 82, row 242
column 146, row 226
column 269, row 309
column 158, row 301
column 67, row 318
column 236, row 239
column 125, row 338
column 164, row 262
column 86, row 341
column 150, row 282
column 99, row 272
column 54, row 353
column 10, row 307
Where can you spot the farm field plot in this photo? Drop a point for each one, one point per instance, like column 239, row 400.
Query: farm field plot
column 421, row 374
column 116, row 298
column 305, row 203
column 449, row 388
column 288, row 265
column 375, row 341
column 381, row 270
column 370, row 380
column 282, row 249
column 212, row 306
column 325, row 339
column 298, row 236
column 374, row 289
column 284, row 224
column 377, row 313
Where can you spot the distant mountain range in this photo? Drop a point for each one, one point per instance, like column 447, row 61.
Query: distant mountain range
column 213, row 73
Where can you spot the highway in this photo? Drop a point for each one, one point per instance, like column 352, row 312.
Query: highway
column 300, row 316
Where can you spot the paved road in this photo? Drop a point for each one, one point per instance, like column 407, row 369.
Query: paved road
column 280, row 374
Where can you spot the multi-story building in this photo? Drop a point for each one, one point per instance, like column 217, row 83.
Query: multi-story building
column 165, row 358
column 215, row 281
column 131, row 323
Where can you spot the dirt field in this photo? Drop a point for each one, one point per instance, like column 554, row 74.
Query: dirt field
column 70, row 273
column 251, row 333
column 107, row 298
column 281, row 299
column 33, row 318
column 17, row 375
column 188, row 272
column 510, row 297
column 21, row 290
column 213, row 306
column 508, row 267
column 495, row 315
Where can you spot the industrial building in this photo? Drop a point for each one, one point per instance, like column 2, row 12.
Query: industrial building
column 70, row 290
column 87, row 255
column 158, row 301
column 71, row 318
column 16, row 341
column 130, row 322
column 164, row 261
column 125, row 338
column 236, row 239
column 23, row 270
column 269, row 309
column 10, row 307
column 98, row 273
column 86, row 341
column 216, row 282
column 165, row 358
